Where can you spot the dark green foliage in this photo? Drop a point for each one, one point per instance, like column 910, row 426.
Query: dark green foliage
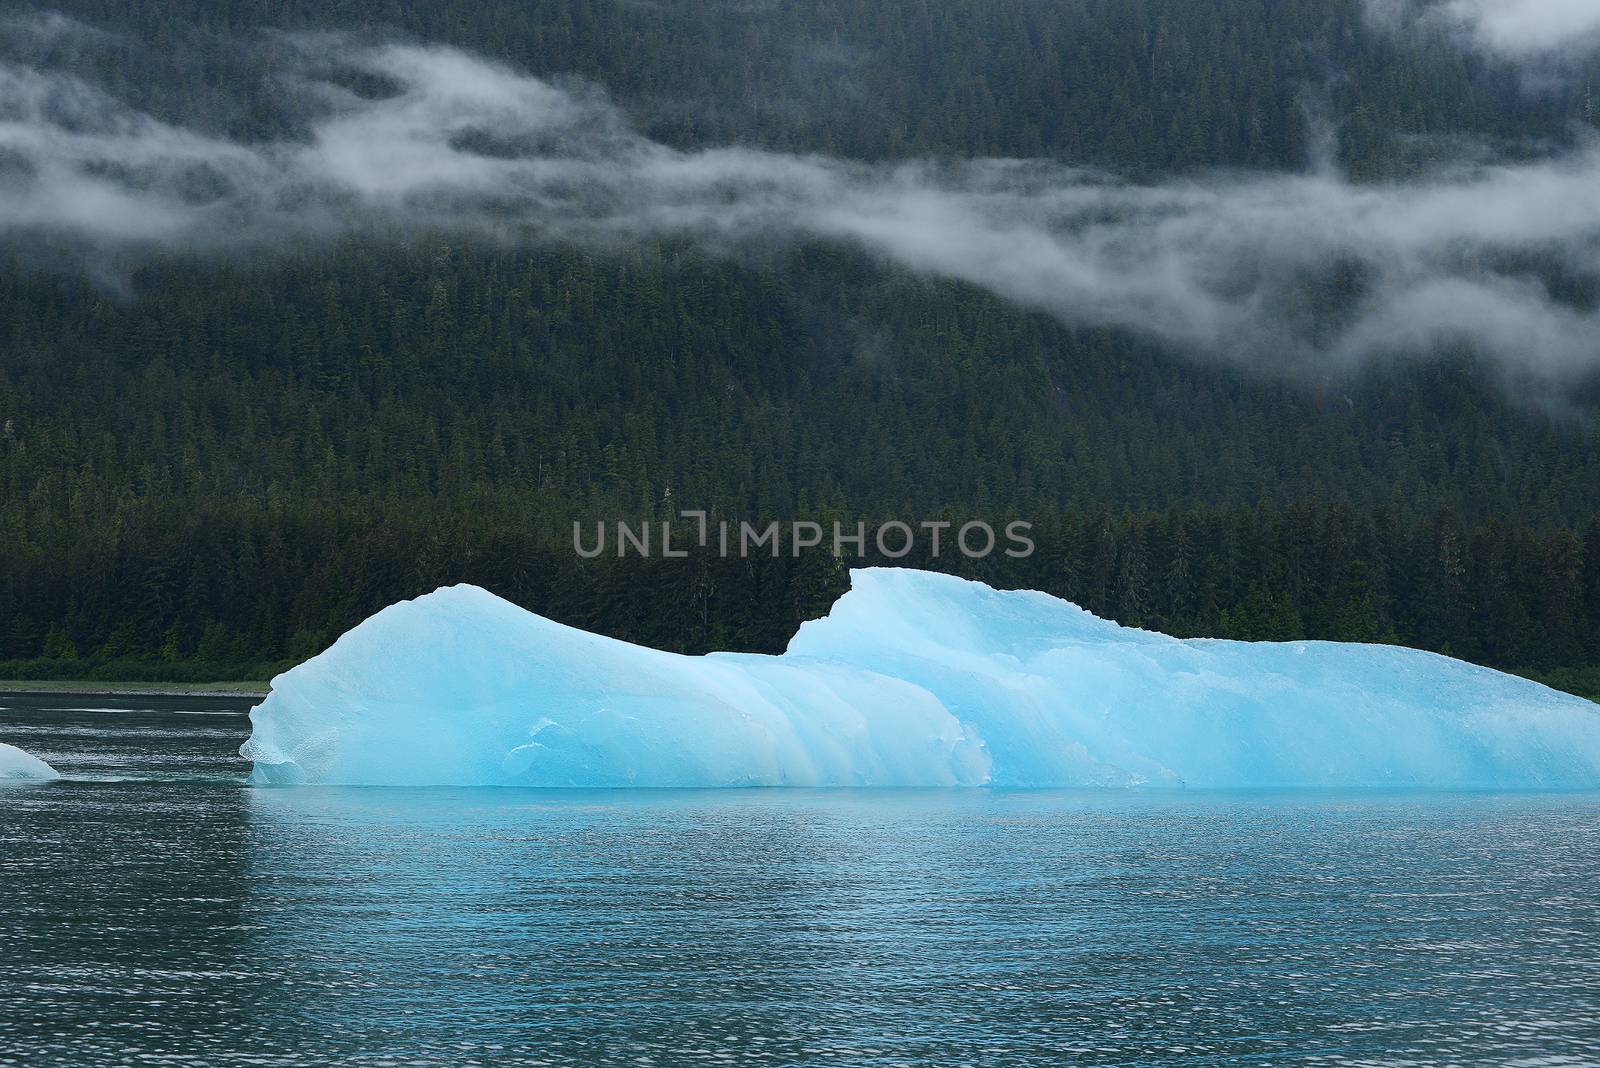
column 242, row 462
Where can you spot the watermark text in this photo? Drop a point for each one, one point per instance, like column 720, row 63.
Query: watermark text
column 894, row 539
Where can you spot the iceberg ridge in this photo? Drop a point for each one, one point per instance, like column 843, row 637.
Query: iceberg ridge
column 912, row 679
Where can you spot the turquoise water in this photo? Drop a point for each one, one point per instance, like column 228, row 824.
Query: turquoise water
column 154, row 910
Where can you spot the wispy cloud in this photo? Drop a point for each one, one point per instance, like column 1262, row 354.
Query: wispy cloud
column 1277, row 271
column 1524, row 29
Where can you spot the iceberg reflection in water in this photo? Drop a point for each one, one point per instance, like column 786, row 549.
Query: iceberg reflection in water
column 913, row 679
column 950, row 927
column 156, row 911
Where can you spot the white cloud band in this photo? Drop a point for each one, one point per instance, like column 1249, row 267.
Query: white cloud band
column 1272, row 270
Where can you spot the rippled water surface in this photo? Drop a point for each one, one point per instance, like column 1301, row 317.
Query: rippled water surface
column 155, row 910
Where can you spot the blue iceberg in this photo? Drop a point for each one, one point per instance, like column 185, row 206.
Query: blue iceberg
column 17, row 765
column 913, row 679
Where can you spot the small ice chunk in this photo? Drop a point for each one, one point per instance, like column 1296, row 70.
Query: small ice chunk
column 18, row 766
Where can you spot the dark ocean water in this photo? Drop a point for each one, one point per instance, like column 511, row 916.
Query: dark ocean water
column 154, row 910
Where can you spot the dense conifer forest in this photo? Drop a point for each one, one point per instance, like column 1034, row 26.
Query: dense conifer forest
column 212, row 465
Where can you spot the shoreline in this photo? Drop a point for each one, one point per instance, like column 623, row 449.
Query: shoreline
column 47, row 688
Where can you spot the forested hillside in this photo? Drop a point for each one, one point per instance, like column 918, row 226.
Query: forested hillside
column 212, row 464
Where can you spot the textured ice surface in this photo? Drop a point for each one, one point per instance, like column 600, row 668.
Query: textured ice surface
column 912, row 679
column 16, row 765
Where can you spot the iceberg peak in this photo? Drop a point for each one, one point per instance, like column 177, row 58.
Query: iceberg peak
column 912, row 679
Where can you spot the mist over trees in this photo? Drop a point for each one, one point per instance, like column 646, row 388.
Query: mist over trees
column 1146, row 87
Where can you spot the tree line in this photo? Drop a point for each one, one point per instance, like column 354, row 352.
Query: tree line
column 220, row 473
column 229, row 589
